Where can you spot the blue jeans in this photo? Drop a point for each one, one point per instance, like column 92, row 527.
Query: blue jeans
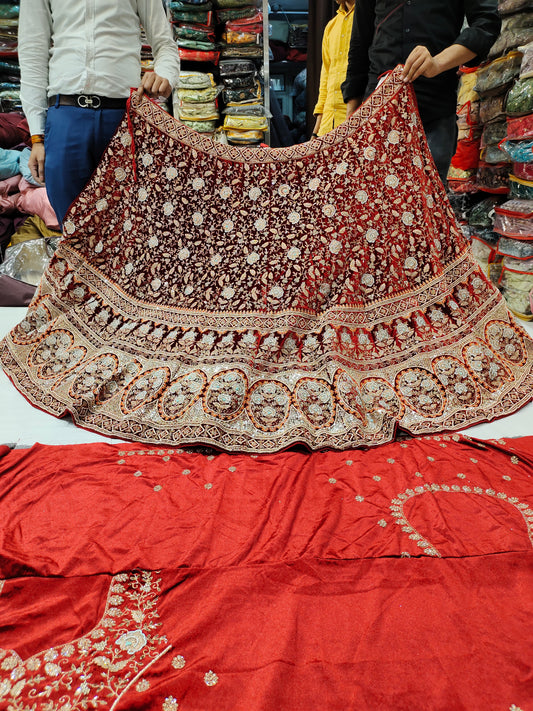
column 441, row 136
column 74, row 142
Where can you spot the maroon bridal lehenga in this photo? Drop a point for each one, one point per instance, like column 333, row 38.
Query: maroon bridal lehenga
column 252, row 299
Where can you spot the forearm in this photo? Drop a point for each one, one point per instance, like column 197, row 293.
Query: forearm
column 159, row 34
column 453, row 56
column 34, row 40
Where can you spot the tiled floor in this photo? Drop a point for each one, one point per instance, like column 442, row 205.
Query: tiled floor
column 23, row 425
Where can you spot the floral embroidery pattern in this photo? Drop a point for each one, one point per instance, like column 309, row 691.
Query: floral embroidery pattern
column 92, row 671
column 397, row 509
column 254, row 299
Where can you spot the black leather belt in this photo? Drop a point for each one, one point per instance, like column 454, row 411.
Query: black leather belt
column 87, row 101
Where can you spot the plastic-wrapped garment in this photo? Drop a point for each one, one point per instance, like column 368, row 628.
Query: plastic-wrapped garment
column 524, row 171
column 9, row 12
column 195, row 55
column 236, row 67
column 253, row 108
column 462, row 204
column 462, row 181
column 494, row 154
column 194, row 32
column 466, row 155
column 10, row 101
column 483, row 254
column 516, row 282
column 493, row 178
column 205, row 18
column 526, row 68
column 196, row 112
column 520, row 127
column 247, row 24
column 492, row 108
column 520, row 189
column 496, row 77
column 201, row 126
column 190, row 5
column 519, row 151
column 510, row 40
column 27, row 261
column 233, row 37
column 196, row 80
column 196, row 45
column 246, row 122
column 251, row 136
column 231, row 3
column 248, row 94
column 468, row 114
column 245, row 50
column 482, row 214
column 485, row 235
column 235, row 13
column 198, row 96
column 514, row 218
column 467, row 81
column 520, row 98
column 469, row 134
column 493, row 133
column 516, row 248
column 242, row 81
column 509, row 7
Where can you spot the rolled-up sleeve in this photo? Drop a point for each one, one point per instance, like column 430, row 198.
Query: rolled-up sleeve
column 358, row 62
column 483, row 27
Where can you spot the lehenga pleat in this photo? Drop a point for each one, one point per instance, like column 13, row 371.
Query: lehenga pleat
column 253, row 298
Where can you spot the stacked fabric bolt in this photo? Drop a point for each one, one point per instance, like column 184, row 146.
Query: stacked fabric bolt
column 494, row 81
column 245, row 117
column 243, row 37
column 194, row 30
column 514, row 222
column 501, row 239
column 463, row 168
column 195, row 101
column 9, row 68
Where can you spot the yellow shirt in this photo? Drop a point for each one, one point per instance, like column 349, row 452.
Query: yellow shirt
column 335, row 46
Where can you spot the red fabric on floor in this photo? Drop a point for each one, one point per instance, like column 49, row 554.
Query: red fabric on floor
column 394, row 578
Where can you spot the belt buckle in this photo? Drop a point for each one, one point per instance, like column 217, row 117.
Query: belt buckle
column 86, row 101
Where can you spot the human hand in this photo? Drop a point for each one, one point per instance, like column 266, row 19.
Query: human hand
column 154, row 86
column 36, row 162
column 420, row 63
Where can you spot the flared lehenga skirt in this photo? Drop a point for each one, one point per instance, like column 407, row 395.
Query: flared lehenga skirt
column 253, row 298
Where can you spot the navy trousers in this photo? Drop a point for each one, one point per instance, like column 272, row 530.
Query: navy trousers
column 74, row 142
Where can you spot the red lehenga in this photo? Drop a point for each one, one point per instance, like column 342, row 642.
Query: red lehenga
column 149, row 579
column 251, row 299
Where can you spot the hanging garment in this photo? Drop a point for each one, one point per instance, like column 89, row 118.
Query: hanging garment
column 251, row 299
column 148, row 579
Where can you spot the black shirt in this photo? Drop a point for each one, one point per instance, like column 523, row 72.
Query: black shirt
column 386, row 31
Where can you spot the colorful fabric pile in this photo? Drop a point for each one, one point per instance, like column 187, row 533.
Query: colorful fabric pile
column 9, row 67
column 193, row 23
column 253, row 298
column 195, row 101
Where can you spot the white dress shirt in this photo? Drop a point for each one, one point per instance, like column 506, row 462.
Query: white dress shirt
column 88, row 47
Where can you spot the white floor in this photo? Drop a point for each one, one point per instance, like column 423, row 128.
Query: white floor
column 22, row 425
